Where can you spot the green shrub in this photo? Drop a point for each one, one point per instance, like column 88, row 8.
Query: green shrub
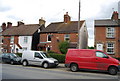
column 19, row 54
column 118, row 59
column 63, row 47
column 59, row 57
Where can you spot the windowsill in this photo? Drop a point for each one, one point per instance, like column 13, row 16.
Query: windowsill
column 48, row 41
column 111, row 53
column 110, row 37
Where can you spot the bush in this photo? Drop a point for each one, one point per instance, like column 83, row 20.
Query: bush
column 118, row 59
column 59, row 57
column 19, row 54
column 63, row 47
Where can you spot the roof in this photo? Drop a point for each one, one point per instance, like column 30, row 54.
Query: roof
column 61, row 27
column 21, row 30
column 107, row 22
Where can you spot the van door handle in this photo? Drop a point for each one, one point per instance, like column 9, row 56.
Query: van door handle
column 96, row 58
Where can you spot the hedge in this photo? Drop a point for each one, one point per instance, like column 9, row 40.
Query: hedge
column 118, row 59
column 59, row 57
column 19, row 54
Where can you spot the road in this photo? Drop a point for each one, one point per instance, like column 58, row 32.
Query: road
column 35, row 72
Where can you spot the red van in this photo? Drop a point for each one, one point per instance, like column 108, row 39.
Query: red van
column 91, row 59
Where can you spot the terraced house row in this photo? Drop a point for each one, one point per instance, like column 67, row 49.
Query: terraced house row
column 38, row 37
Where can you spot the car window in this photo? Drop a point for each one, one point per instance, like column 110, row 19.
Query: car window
column 13, row 55
column 100, row 54
column 37, row 54
column 6, row 55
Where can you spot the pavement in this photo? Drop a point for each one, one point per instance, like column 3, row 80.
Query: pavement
column 62, row 65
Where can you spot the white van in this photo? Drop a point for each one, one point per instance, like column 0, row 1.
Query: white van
column 38, row 58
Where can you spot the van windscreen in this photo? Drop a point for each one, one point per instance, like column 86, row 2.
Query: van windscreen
column 45, row 55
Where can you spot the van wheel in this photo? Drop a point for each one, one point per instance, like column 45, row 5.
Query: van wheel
column 45, row 65
column 74, row 67
column 11, row 62
column 112, row 70
column 25, row 63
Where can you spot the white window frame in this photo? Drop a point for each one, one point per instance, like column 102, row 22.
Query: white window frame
column 48, row 38
column 112, row 47
column 67, row 36
column 110, row 32
column 25, row 40
column 12, row 39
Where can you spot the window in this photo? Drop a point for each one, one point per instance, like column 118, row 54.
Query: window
column 67, row 37
column 25, row 39
column 49, row 38
column 12, row 39
column 110, row 48
column 100, row 54
column 110, row 32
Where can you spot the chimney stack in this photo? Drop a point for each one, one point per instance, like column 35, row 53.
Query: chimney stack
column 20, row 23
column 67, row 18
column 9, row 24
column 3, row 26
column 114, row 15
column 41, row 21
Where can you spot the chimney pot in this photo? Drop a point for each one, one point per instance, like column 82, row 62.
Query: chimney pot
column 115, row 15
column 3, row 26
column 41, row 21
column 67, row 18
column 9, row 24
column 20, row 23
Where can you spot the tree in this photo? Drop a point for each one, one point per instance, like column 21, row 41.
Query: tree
column 63, row 47
column 90, row 47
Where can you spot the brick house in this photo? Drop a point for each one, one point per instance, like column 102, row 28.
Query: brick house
column 107, row 35
column 0, row 40
column 56, row 32
column 21, row 37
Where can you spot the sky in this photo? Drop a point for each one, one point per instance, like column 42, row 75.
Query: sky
column 30, row 11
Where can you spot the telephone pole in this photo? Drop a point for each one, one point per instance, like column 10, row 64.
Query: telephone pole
column 79, row 25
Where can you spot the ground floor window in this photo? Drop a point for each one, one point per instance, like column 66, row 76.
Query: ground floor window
column 110, row 48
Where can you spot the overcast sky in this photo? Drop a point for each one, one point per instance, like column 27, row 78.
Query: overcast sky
column 30, row 11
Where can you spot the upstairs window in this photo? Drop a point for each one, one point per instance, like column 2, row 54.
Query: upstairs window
column 12, row 39
column 67, row 37
column 110, row 48
column 110, row 32
column 25, row 39
column 49, row 38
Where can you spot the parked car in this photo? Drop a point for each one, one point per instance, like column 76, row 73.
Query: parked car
column 91, row 59
column 10, row 58
column 38, row 58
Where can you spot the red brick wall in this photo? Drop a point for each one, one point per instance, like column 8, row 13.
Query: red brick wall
column 100, row 37
column 54, row 41
column 6, row 43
